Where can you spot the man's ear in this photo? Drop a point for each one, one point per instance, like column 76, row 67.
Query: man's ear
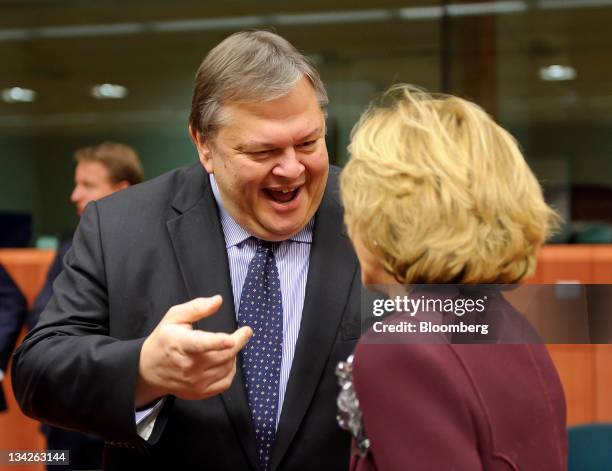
column 122, row 185
column 203, row 147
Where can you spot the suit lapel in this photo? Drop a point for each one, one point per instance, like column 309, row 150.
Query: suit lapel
column 330, row 275
column 199, row 246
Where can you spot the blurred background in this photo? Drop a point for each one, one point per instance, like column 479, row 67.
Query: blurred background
column 77, row 72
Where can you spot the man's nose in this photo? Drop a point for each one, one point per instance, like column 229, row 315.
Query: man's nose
column 289, row 165
column 75, row 196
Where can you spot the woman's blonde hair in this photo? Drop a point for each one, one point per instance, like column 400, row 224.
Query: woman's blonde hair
column 441, row 194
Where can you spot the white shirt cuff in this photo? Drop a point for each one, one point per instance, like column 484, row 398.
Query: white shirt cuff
column 145, row 419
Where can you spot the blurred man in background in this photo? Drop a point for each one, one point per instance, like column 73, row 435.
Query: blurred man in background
column 101, row 170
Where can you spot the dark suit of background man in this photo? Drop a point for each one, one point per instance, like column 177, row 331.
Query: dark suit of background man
column 13, row 309
column 135, row 331
column 101, row 170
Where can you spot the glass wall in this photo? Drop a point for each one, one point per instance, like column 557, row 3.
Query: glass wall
column 541, row 67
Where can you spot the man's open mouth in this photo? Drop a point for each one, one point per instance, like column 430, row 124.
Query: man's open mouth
column 283, row 195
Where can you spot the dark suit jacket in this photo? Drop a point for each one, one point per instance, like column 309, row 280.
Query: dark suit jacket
column 13, row 309
column 135, row 254
column 85, row 450
column 466, row 407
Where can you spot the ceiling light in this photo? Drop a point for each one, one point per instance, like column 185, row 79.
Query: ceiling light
column 316, row 18
column 349, row 16
column 18, row 95
column 557, row 73
column 420, row 13
column 108, row 91
column 486, row 8
column 561, row 4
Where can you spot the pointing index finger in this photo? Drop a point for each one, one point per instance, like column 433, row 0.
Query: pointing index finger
column 241, row 337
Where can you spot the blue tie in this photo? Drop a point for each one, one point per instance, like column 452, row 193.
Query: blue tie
column 261, row 308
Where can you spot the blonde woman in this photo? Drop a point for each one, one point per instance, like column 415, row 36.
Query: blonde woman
column 436, row 193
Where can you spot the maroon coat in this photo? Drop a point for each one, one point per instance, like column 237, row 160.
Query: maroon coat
column 459, row 407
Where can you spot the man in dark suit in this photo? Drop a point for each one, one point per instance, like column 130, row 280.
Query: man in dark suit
column 13, row 309
column 135, row 344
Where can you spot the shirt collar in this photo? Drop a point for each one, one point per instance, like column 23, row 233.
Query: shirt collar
column 235, row 234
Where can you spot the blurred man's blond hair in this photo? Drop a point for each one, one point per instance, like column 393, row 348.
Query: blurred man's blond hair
column 121, row 161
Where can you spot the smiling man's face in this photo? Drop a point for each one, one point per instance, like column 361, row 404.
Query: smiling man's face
column 270, row 162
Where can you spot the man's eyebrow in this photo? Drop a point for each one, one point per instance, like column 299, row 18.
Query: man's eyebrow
column 315, row 132
column 250, row 145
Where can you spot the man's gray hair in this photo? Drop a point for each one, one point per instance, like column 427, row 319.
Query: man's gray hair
column 248, row 66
